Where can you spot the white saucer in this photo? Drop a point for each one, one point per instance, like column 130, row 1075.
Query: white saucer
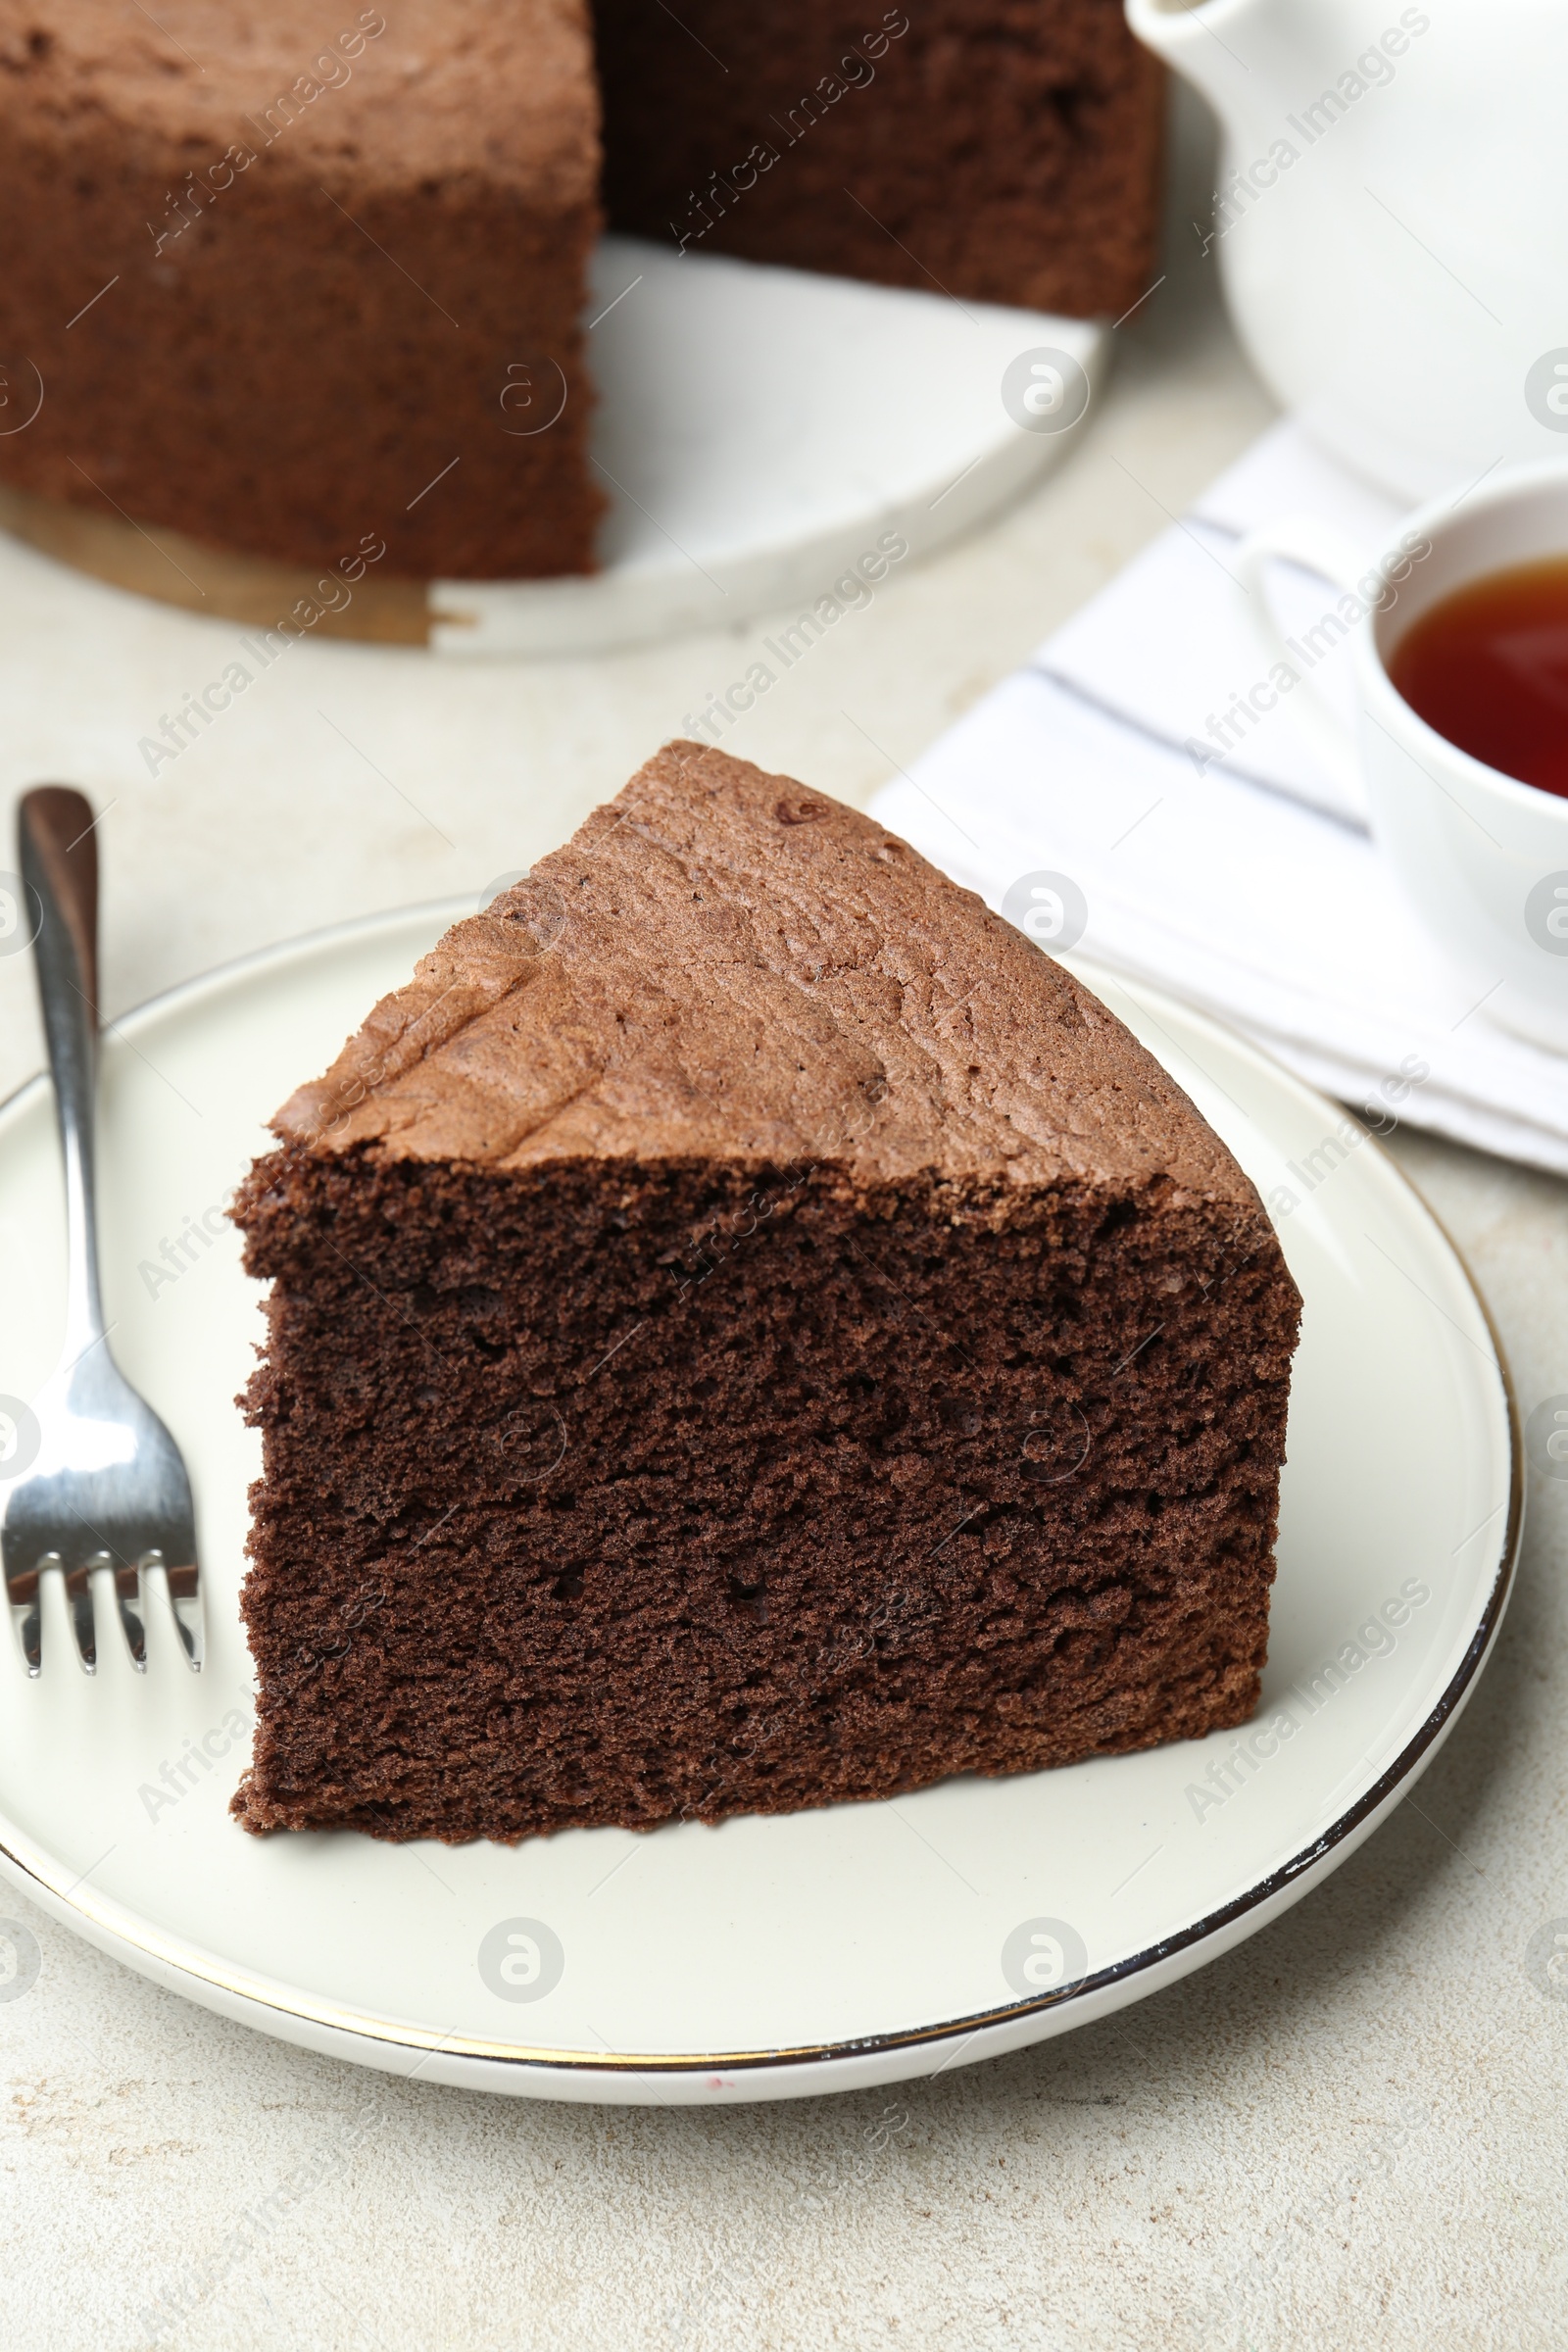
column 767, row 1958
column 758, row 431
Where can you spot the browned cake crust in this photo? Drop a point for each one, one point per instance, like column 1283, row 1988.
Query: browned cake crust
column 1004, row 150
column 313, row 250
column 747, row 1330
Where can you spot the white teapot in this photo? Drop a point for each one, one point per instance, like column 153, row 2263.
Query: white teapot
column 1392, row 219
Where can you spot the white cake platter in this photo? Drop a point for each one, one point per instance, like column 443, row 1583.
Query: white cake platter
column 758, row 430
column 851, row 1947
column 763, row 438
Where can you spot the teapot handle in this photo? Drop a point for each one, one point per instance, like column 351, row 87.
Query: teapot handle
column 1318, row 547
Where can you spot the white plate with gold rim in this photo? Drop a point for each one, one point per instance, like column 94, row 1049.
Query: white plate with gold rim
column 856, row 1946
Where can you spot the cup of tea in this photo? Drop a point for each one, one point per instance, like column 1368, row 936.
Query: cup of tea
column 1461, row 736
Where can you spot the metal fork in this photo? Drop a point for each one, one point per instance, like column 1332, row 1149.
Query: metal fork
column 106, row 1498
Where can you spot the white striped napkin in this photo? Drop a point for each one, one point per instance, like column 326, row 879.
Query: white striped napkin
column 1242, row 879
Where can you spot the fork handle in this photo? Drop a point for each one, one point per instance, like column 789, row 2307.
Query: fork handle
column 58, row 854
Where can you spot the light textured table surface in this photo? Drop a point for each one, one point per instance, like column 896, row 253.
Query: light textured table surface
column 1351, row 2131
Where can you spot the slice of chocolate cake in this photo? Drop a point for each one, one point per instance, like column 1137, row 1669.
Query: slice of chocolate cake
column 747, row 1330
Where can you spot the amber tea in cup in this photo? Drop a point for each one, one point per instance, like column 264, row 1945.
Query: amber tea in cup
column 1487, row 667
column 1459, row 739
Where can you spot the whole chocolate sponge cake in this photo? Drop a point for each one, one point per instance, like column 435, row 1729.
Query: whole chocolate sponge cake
column 747, row 1330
